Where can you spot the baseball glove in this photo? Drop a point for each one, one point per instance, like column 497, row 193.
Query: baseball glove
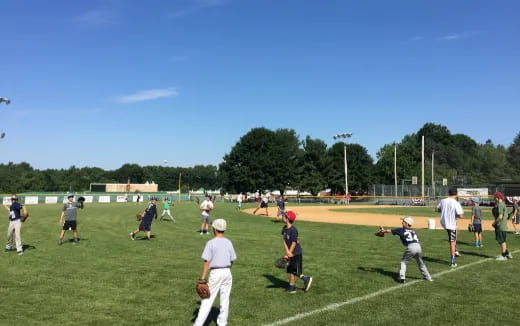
column 138, row 217
column 380, row 233
column 24, row 218
column 202, row 289
column 471, row 228
column 281, row 263
column 81, row 199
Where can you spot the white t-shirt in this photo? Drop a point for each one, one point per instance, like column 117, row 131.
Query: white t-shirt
column 239, row 198
column 450, row 209
column 219, row 252
column 206, row 204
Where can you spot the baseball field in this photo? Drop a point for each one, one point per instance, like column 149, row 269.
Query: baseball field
column 108, row 279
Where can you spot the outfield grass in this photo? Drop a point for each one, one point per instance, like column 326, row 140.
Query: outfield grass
column 107, row 279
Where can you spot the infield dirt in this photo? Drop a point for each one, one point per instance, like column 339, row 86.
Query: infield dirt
column 327, row 214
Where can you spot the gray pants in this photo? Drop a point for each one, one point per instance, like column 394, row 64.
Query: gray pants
column 14, row 230
column 413, row 250
column 166, row 211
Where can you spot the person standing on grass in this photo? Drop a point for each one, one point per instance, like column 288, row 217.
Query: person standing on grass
column 218, row 256
column 451, row 210
column 239, row 201
column 476, row 220
column 515, row 216
column 413, row 248
column 146, row 222
column 15, row 225
column 293, row 252
column 280, row 202
column 205, row 207
column 166, row 209
column 500, row 225
column 70, row 213
column 264, row 203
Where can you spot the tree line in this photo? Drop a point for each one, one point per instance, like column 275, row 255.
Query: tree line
column 264, row 159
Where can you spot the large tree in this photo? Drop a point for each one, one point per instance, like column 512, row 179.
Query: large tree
column 261, row 160
column 360, row 168
column 314, row 164
column 513, row 155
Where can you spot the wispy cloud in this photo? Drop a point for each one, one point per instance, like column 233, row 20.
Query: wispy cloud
column 452, row 37
column 147, row 95
column 97, row 17
column 196, row 6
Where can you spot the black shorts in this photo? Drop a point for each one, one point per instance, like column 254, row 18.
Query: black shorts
column 145, row 225
column 263, row 204
column 295, row 265
column 452, row 235
column 478, row 228
column 69, row 225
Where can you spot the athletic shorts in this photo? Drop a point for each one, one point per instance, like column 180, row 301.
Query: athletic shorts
column 145, row 226
column 295, row 265
column 452, row 235
column 516, row 219
column 204, row 219
column 263, row 204
column 478, row 228
column 500, row 236
column 69, row 225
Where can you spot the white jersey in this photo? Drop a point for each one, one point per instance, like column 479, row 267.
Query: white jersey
column 206, row 204
column 450, row 209
column 219, row 252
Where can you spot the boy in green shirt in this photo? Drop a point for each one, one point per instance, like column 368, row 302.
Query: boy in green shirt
column 500, row 225
column 166, row 209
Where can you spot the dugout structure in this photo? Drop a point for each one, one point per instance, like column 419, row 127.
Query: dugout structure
column 124, row 187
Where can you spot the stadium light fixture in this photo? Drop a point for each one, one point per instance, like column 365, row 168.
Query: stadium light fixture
column 344, row 136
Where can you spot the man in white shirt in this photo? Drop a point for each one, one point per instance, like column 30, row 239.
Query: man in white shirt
column 451, row 210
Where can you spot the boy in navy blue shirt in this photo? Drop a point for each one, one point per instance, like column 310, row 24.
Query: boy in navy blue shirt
column 15, row 225
column 293, row 252
column 413, row 248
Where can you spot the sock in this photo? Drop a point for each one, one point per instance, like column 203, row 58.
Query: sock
column 476, row 243
column 505, row 253
column 453, row 259
column 304, row 278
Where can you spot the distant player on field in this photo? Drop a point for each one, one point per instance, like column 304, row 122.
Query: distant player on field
column 70, row 214
column 500, row 225
column 476, row 220
column 205, row 207
column 515, row 216
column 146, row 222
column 451, row 210
column 166, row 209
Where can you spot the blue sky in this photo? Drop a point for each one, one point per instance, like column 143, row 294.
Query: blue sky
column 107, row 82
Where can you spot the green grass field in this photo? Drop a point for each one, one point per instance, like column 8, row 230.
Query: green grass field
column 108, row 279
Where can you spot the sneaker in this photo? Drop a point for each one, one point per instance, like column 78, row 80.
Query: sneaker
column 132, row 235
column 501, row 258
column 290, row 289
column 60, row 242
column 509, row 255
column 401, row 280
column 201, row 233
column 75, row 241
column 20, row 253
column 307, row 283
column 453, row 265
column 6, row 250
column 429, row 279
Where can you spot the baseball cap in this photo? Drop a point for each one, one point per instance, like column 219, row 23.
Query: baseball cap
column 153, row 198
column 70, row 195
column 499, row 195
column 13, row 197
column 219, row 224
column 291, row 216
column 475, row 199
column 408, row 220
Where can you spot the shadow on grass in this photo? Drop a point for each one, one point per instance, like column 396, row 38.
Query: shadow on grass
column 212, row 316
column 145, row 238
column 436, row 260
column 276, row 282
column 392, row 274
column 28, row 247
column 477, row 254
column 464, row 243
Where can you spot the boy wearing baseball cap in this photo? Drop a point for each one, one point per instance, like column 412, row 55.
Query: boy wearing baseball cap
column 146, row 222
column 293, row 252
column 476, row 220
column 69, row 213
column 15, row 225
column 500, row 225
column 413, row 248
column 218, row 256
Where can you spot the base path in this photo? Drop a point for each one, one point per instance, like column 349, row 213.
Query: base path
column 326, row 214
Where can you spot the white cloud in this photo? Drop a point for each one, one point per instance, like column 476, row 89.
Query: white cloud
column 96, row 17
column 147, row 95
column 196, row 6
column 451, row 37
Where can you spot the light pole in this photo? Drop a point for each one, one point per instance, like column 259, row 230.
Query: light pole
column 344, row 136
